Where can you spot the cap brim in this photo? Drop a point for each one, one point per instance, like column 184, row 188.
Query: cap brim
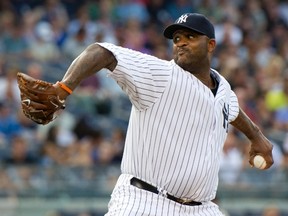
column 170, row 30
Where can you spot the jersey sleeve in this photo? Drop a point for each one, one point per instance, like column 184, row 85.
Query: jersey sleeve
column 142, row 77
column 233, row 107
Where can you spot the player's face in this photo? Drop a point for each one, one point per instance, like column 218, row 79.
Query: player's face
column 191, row 50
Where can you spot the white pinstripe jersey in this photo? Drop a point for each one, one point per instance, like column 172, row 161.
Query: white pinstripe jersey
column 177, row 126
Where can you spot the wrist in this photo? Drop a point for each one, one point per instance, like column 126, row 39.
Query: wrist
column 65, row 87
column 63, row 90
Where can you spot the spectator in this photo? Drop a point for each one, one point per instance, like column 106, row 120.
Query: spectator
column 35, row 70
column 271, row 211
column 246, row 99
column 154, row 43
column 20, row 153
column 9, row 91
column 75, row 44
column 56, row 146
column 157, row 11
column 83, row 20
column 134, row 36
column 14, row 41
column 276, row 98
column 117, row 142
column 79, row 154
column 55, row 13
column 284, row 163
column 9, row 125
column 272, row 72
column 178, row 7
column 228, row 33
column 127, row 10
column 105, row 153
column 44, row 48
column 51, row 9
column 212, row 8
column 231, row 162
column 106, row 28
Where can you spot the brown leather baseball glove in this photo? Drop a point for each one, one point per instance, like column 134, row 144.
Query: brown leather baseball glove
column 39, row 99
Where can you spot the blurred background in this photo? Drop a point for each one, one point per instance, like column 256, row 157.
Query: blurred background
column 69, row 167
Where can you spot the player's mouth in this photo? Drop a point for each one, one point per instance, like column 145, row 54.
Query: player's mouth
column 181, row 52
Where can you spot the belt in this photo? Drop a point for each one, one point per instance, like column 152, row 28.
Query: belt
column 145, row 186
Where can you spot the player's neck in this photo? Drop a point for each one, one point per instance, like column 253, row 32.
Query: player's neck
column 208, row 81
column 205, row 77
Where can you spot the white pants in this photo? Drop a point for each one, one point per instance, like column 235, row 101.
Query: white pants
column 128, row 200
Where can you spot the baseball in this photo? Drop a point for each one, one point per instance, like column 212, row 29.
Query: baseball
column 259, row 162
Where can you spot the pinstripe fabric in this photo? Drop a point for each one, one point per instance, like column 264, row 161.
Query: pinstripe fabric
column 176, row 130
column 127, row 200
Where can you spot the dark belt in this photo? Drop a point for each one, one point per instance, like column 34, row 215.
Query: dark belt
column 145, row 186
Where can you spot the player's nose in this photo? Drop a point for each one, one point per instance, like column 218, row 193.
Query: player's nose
column 181, row 42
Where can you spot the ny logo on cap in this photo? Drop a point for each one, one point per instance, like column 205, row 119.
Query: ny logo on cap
column 182, row 18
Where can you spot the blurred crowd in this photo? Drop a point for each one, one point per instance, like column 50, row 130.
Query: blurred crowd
column 41, row 38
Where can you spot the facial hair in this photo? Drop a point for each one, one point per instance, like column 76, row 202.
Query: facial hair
column 190, row 61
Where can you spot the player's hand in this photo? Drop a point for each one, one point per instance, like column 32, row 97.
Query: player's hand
column 40, row 100
column 261, row 146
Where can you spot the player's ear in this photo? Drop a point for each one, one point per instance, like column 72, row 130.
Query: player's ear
column 211, row 45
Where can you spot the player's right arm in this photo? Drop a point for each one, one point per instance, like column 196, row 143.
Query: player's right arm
column 259, row 143
column 91, row 60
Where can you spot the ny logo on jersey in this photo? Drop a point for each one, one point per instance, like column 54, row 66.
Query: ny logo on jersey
column 225, row 112
column 182, row 18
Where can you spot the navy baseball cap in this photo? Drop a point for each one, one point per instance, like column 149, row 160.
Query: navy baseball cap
column 193, row 21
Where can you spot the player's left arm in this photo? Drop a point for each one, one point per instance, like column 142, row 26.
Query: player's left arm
column 260, row 145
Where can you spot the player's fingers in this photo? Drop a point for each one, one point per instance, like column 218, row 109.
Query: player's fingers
column 267, row 157
column 251, row 158
column 269, row 161
column 30, row 104
column 29, row 93
column 252, row 154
